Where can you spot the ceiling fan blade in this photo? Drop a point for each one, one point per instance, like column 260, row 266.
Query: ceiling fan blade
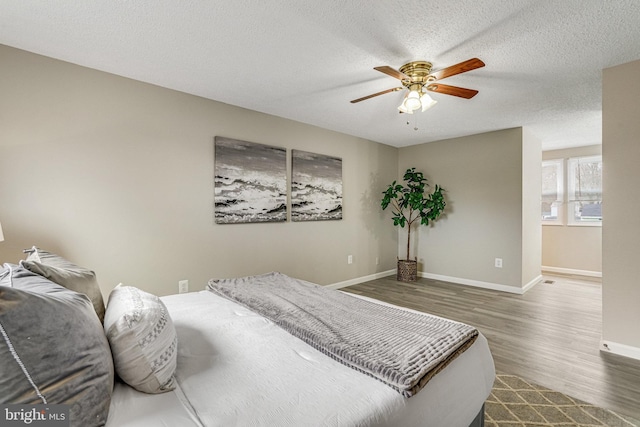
column 463, row 67
column 392, row 72
column 364, row 98
column 452, row 90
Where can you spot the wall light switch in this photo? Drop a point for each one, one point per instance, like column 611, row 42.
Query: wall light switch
column 350, row 259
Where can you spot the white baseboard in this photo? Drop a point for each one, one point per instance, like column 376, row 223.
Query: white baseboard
column 532, row 283
column 620, row 349
column 480, row 284
column 572, row 271
column 467, row 282
column 361, row 279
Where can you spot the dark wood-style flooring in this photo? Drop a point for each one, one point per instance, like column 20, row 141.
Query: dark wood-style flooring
column 550, row 335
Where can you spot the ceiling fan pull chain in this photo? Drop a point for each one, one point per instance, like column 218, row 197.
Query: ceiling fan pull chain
column 415, row 122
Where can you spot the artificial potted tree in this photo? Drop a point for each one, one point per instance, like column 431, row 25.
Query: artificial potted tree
column 411, row 202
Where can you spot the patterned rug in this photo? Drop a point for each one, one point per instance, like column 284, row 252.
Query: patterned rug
column 515, row 402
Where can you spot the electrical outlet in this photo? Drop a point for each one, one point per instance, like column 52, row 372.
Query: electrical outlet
column 498, row 263
column 350, row 259
column 377, row 261
column 183, row 286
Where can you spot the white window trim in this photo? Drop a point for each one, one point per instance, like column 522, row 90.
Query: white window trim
column 561, row 202
column 571, row 222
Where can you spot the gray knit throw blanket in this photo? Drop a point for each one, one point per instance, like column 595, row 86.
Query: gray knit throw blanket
column 403, row 349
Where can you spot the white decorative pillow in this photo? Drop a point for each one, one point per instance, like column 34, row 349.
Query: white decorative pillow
column 67, row 274
column 143, row 339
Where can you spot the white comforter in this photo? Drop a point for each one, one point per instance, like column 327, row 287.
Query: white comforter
column 238, row 369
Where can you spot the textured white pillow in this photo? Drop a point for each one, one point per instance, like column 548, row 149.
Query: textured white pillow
column 143, row 339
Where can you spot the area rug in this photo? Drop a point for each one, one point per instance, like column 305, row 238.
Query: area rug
column 515, row 402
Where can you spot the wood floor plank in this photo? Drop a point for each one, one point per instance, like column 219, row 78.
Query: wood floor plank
column 550, row 335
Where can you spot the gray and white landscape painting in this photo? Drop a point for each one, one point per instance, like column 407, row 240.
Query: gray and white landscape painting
column 316, row 186
column 250, row 183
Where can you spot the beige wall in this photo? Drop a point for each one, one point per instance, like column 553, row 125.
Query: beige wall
column 117, row 175
column 573, row 248
column 483, row 178
column 621, row 204
column 531, row 191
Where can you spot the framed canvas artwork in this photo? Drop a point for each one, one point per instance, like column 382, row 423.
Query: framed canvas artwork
column 316, row 186
column 250, row 182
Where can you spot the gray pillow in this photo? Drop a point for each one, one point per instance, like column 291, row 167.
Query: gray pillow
column 52, row 348
column 143, row 339
column 67, row 274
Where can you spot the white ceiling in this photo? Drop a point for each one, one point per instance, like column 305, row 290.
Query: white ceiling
column 306, row 59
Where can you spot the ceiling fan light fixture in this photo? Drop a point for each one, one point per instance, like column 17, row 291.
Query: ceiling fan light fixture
column 412, row 101
column 416, row 100
column 404, row 109
column 427, row 102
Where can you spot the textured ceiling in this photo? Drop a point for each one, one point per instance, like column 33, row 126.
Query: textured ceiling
column 306, row 59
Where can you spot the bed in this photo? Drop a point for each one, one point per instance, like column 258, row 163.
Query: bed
column 235, row 367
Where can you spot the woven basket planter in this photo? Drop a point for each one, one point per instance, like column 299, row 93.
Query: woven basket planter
column 407, row 270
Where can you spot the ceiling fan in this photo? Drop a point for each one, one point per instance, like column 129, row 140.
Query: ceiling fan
column 417, row 78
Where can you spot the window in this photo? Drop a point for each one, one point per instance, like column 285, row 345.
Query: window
column 552, row 191
column 584, row 184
